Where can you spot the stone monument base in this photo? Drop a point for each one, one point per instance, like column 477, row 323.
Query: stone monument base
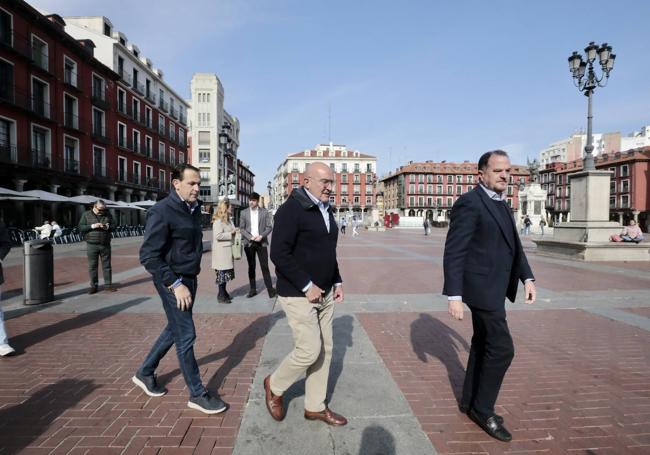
column 593, row 251
column 585, row 231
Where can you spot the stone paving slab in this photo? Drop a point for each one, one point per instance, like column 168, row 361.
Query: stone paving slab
column 578, row 382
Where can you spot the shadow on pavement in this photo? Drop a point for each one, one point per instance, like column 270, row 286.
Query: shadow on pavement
column 234, row 353
column 342, row 333
column 23, row 423
column 376, row 440
column 20, row 342
column 430, row 336
column 243, row 290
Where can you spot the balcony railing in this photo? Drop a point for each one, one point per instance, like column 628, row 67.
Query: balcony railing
column 151, row 97
column 100, row 172
column 99, row 133
column 126, row 78
column 40, row 159
column 161, row 129
column 71, row 166
column 135, row 115
column 124, row 143
column 8, row 153
column 124, row 108
column 70, row 120
column 138, row 87
column 9, row 94
column 41, row 108
column 70, row 78
column 173, row 112
column 99, row 97
column 183, row 119
column 137, row 148
column 163, row 105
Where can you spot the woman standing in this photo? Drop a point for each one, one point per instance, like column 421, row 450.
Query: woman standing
column 223, row 233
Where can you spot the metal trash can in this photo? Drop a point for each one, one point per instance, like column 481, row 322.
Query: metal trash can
column 38, row 276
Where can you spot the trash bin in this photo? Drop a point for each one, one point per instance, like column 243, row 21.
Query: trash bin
column 38, row 276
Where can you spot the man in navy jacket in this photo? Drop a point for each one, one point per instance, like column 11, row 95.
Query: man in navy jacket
column 308, row 283
column 171, row 252
column 483, row 263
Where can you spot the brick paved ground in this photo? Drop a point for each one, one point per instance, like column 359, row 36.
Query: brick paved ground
column 578, row 383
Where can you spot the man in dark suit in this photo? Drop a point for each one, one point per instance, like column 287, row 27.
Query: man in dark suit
column 483, row 262
column 255, row 226
column 304, row 254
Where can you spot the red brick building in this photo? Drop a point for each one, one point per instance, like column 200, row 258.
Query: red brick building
column 430, row 189
column 355, row 175
column 629, row 191
column 60, row 116
column 245, row 183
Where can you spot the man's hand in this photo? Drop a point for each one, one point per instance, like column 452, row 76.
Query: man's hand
column 338, row 294
column 314, row 294
column 530, row 292
column 456, row 309
column 257, row 238
column 183, row 297
column 96, row 225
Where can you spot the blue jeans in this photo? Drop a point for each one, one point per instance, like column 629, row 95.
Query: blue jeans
column 3, row 334
column 179, row 331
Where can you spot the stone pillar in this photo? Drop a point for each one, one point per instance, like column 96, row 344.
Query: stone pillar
column 636, row 216
column 55, row 215
column 128, row 213
column 620, row 217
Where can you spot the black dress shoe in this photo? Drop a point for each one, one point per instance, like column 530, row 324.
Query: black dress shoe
column 92, row 290
column 251, row 293
column 465, row 410
column 491, row 426
column 272, row 293
column 222, row 299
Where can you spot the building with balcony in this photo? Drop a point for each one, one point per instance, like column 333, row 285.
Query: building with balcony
column 150, row 126
column 628, row 186
column 215, row 140
column 55, row 110
column 430, row 189
column 245, row 183
column 355, row 177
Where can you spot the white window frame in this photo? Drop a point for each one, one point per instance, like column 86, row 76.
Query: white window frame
column 146, row 136
column 92, row 118
column 148, row 174
column 48, row 142
column 103, row 149
column 126, row 133
column 76, row 150
column 76, row 104
column 137, row 180
column 13, row 141
column 136, row 147
column 47, row 94
column 148, row 110
column 126, row 168
column 161, row 147
column 11, row 16
column 181, row 157
column 161, row 180
column 623, row 183
column 126, row 108
column 75, row 75
column 47, row 49
column 172, row 156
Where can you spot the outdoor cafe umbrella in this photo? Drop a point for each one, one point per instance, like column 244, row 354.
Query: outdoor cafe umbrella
column 46, row 196
column 84, row 199
column 147, row 204
column 7, row 194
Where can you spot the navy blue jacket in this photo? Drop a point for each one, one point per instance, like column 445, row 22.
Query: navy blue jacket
column 301, row 249
column 173, row 240
column 484, row 259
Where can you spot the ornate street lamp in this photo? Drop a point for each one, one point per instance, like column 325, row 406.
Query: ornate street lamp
column 269, row 190
column 584, row 77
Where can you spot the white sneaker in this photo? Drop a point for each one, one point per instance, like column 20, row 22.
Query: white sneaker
column 5, row 350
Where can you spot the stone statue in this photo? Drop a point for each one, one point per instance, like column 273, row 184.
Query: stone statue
column 533, row 168
column 222, row 186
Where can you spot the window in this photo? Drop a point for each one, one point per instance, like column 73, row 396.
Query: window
column 99, row 128
column 99, row 162
column 136, row 109
column 205, row 174
column 429, row 189
column 420, row 188
column 449, row 202
column 161, row 180
column 368, row 200
column 136, row 141
column 121, row 135
column 357, row 189
column 459, row 189
column 344, row 178
column 470, row 179
column 181, row 157
column 107, row 29
column 161, row 125
column 625, row 186
column 204, row 155
column 333, row 167
column 344, row 190
column 439, row 202
column 368, row 167
column 172, row 131
column 71, row 155
column 612, row 186
column 294, row 178
column 148, row 171
column 40, row 53
column 148, row 146
column 6, row 81
column 613, row 171
column 344, row 167
column 40, row 98
column 439, row 179
column 181, row 136
column 612, row 202
column 421, row 178
column 459, row 179
column 121, row 101
column 137, row 173
column 121, row 169
column 450, row 189
column 8, row 140
column 98, row 88
column 6, row 28
column 70, row 112
column 148, row 117
column 69, row 72
column 161, row 152
column 625, row 201
column 204, row 138
column 172, row 156
column 412, row 188
column 439, row 189
column 625, row 170
column 411, row 201
column 368, row 189
column 450, row 179
column 357, row 178
column 509, row 190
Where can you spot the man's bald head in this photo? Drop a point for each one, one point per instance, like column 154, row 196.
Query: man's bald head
column 319, row 179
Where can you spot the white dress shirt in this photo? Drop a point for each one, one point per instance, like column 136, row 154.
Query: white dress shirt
column 255, row 222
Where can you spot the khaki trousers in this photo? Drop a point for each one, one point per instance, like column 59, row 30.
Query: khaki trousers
column 311, row 325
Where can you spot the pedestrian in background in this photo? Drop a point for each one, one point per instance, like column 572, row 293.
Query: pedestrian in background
column 304, row 253
column 5, row 247
column 56, row 229
column 95, row 227
column 527, row 225
column 542, row 223
column 171, row 252
column 44, row 231
column 223, row 263
column 344, row 223
column 255, row 225
column 355, row 226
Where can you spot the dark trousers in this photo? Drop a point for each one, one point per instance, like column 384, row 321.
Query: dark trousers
column 94, row 252
column 490, row 356
column 180, row 332
column 256, row 248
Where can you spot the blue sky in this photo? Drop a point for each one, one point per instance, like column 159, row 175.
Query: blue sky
column 411, row 80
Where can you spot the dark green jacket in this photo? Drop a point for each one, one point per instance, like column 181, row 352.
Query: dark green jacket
column 97, row 236
column 5, row 246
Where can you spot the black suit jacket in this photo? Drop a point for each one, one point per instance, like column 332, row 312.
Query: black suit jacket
column 482, row 262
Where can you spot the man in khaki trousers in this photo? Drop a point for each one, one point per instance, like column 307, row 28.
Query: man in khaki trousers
column 308, row 283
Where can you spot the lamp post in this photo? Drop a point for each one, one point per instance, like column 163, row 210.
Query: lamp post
column 269, row 190
column 585, row 78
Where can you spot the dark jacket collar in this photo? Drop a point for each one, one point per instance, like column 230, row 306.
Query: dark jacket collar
column 300, row 195
column 492, row 208
column 177, row 199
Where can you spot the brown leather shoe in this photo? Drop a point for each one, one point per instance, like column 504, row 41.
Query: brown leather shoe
column 110, row 288
column 273, row 402
column 328, row 416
